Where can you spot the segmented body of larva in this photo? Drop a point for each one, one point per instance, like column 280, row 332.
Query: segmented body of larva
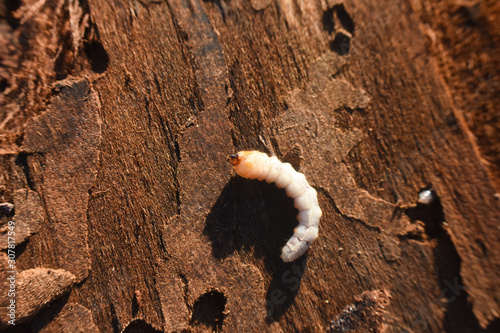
column 256, row 165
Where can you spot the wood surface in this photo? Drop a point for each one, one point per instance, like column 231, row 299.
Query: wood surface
column 116, row 120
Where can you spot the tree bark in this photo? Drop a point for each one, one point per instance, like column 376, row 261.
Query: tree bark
column 117, row 119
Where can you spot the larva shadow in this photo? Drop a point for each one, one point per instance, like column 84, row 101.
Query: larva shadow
column 252, row 216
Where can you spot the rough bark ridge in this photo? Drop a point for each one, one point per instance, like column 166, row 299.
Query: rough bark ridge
column 116, row 119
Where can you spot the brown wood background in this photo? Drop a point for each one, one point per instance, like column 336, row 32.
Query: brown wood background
column 116, row 118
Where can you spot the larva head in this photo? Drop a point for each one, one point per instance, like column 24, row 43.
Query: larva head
column 235, row 159
column 244, row 163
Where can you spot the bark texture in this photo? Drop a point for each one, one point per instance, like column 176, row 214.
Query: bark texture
column 116, row 119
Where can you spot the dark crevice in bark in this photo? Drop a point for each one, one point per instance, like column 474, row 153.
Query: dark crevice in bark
column 185, row 290
column 99, row 59
column 459, row 317
column 115, row 322
column 22, row 161
column 47, row 315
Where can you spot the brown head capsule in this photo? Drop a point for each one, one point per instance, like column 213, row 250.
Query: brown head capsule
column 234, row 159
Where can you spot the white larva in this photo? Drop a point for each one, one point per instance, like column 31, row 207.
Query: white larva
column 256, row 165
column 426, row 197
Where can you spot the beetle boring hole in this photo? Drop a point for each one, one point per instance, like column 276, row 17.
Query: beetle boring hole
column 341, row 44
column 344, row 18
column 99, row 59
column 328, row 20
column 208, row 311
column 140, row 326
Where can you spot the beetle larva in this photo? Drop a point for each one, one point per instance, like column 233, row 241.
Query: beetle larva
column 256, row 165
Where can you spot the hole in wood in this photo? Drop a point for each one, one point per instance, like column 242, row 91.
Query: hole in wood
column 97, row 55
column 344, row 18
column 140, row 326
column 208, row 311
column 341, row 44
column 328, row 20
